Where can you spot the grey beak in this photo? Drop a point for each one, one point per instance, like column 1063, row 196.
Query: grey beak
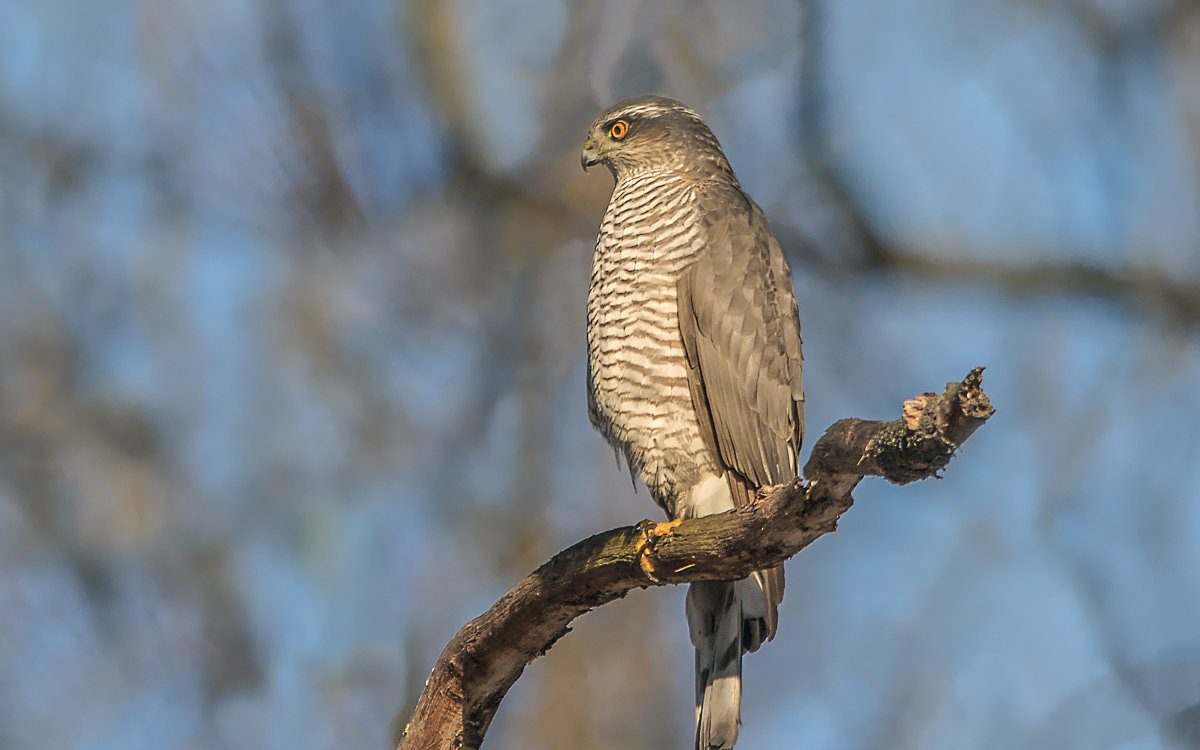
column 589, row 157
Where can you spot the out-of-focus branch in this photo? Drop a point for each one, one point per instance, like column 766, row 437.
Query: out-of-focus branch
column 488, row 655
column 1144, row 288
column 1175, row 299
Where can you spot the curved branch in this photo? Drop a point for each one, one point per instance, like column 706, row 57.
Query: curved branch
column 487, row 656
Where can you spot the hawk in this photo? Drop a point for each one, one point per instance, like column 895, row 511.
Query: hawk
column 694, row 360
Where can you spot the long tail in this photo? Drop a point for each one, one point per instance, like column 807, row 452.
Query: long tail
column 725, row 621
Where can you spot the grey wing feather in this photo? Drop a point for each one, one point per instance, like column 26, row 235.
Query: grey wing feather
column 741, row 334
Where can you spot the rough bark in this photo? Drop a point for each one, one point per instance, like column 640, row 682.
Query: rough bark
column 489, row 653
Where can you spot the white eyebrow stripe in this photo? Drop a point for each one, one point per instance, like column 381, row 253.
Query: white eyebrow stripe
column 651, row 108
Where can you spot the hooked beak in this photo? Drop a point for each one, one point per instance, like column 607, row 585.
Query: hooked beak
column 589, row 157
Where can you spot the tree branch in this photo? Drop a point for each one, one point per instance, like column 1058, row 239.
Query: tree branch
column 487, row 656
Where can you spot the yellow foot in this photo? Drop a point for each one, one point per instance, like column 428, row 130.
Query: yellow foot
column 664, row 528
column 645, row 546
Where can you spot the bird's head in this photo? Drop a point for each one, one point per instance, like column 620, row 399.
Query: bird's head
column 652, row 133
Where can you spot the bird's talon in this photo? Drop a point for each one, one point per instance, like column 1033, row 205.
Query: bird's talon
column 645, row 546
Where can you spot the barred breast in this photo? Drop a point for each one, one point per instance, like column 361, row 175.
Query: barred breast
column 637, row 369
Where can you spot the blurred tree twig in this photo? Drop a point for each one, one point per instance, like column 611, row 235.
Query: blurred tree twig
column 488, row 654
column 1139, row 287
column 1175, row 300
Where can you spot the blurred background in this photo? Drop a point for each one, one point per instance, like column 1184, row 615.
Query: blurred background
column 292, row 363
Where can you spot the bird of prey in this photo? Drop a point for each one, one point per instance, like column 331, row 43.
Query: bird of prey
column 694, row 360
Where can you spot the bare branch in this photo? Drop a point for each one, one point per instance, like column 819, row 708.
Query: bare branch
column 487, row 656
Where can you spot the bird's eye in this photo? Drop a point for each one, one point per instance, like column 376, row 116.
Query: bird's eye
column 618, row 130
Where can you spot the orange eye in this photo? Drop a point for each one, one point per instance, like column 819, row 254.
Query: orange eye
column 618, row 130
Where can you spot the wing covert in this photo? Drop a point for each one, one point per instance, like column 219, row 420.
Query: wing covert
column 741, row 333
